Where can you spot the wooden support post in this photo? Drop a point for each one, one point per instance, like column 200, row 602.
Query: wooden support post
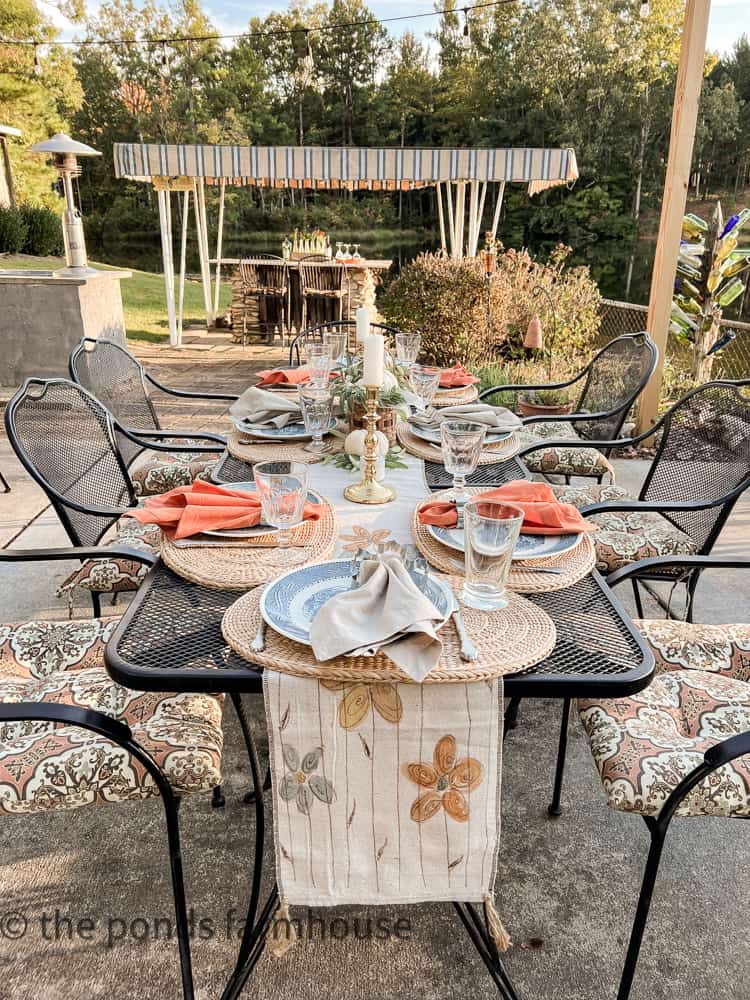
column 473, row 229
column 202, row 227
column 459, row 217
column 684, row 118
column 441, row 217
column 165, row 226
column 478, row 224
column 183, row 253
column 451, row 224
column 498, row 206
column 219, row 239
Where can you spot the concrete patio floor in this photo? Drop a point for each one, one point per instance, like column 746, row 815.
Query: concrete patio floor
column 566, row 888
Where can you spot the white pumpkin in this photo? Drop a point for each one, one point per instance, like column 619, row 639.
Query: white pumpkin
column 355, row 442
column 389, row 381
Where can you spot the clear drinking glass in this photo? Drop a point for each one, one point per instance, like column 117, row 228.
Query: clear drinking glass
column 336, row 341
column 491, row 530
column 282, row 487
column 317, row 407
column 318, row 364
column 425, row 381
column 339, row 251
column 407, row 348
column 356, row 250
column 461, row 443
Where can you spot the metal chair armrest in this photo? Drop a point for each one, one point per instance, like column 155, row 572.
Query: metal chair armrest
column 140, row 436
column 528, row 388
column 69, row 715
column 187, row 394
column 78, row 552
column 648, row 566
column 660, row 507
column 728, row 750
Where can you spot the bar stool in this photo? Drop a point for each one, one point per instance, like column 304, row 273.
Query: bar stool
column 264, row 279
column 322, row 281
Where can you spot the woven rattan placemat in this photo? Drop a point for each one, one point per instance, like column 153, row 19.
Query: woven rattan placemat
column 575, row 563
column 242, row 448
column 456, row 397
column 239, row 567
column 508, row 641
column 420, row 448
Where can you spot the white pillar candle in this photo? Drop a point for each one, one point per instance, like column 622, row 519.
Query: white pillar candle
column 363, row 322
column 374, row 360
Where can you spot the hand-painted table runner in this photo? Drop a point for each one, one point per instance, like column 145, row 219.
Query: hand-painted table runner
column 383, row 793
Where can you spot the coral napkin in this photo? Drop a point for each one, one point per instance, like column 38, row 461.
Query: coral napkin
column 453, row 378
column 283, row 376
column 543, row 512
column 189, row 510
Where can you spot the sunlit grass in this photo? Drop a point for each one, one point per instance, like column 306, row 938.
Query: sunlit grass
column 143, row 300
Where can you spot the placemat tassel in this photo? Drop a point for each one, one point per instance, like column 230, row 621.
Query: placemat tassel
column 280, row 940
column 495, row 925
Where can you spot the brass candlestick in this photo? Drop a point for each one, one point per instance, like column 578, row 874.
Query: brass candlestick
column 370, row 490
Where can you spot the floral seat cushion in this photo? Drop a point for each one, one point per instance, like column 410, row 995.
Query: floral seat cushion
column 155, row 472
column 646, row 744
column 569, row 461
column 44, row 766
column 111, row 576
column 626, row 536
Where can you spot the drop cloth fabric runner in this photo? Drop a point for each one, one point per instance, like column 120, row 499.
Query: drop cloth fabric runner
column 384, row 793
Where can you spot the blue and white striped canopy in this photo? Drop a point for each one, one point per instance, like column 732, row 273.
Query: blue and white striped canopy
column 344, row 166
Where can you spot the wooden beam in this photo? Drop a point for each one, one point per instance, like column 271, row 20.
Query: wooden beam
column 441, row 217
column 451, row 225
column 498, row 206
column 219, row 240
column 165, row 225
column 684, row 118
column 183, row 251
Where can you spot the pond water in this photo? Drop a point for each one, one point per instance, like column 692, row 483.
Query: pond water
column 609, row 265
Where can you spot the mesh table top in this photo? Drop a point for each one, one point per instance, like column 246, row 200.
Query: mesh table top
column 170, row 640
column 232, row 470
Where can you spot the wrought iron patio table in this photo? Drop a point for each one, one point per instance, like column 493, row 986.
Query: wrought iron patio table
column 232, row 470
column 170, row 639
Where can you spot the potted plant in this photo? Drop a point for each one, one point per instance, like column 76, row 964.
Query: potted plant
column 545, row 403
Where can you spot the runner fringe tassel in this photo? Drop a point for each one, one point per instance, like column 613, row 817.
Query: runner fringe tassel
column 281, row 934
column 495, row 925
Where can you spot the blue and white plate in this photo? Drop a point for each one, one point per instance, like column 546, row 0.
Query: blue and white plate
column 432, row 434
column 292, row 432
column 257, row 530
column 527, row 547
column 290, row 603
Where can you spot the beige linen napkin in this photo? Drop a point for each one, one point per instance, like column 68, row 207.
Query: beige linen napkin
column 387, row 612
column 496, row 418
column 257, row 408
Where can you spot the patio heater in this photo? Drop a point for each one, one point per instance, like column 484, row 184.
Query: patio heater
column 65, row 152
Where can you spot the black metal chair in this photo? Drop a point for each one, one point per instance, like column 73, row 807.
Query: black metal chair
column 700, row 470
column 315, row 334
column 611, row 383
column 71, row 446
column 35, row 732
column 121, row 383
column 264, row 281
column 652, row 762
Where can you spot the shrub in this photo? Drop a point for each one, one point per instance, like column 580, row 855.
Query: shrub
column 13, row 230
column 446, row 301
column 43, row 231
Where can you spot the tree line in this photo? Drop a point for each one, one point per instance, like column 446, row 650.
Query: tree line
column 591, row 74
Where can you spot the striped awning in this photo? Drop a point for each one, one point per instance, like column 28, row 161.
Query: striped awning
column 330, row 167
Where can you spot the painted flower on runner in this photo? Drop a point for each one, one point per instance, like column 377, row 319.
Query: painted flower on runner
column 301, row 782
column 443, row 782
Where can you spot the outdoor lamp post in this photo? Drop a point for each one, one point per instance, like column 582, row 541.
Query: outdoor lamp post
column 65, row 151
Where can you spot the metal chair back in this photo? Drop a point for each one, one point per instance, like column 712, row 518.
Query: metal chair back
column 315, row 334
column 66, row 441
column 615, row 378
column 703, row 455
column 118, row 381
column 264, row 274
